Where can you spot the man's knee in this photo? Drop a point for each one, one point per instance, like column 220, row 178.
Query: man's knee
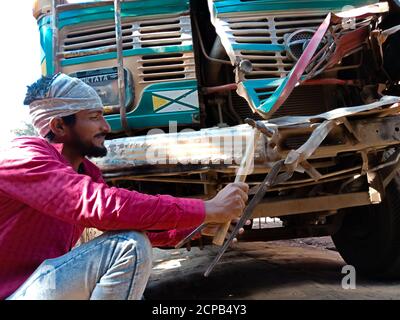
column 141, row 244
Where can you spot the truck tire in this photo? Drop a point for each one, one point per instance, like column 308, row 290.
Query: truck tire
column 369, row 237
column 394, row 5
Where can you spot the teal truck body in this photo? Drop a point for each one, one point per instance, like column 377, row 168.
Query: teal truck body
column 320, row 78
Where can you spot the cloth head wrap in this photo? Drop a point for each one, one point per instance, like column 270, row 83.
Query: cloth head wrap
column 65, row 97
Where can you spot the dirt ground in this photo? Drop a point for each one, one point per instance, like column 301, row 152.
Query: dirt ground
column 294, row 269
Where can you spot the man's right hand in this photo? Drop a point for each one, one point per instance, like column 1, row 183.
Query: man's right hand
column 228, row 204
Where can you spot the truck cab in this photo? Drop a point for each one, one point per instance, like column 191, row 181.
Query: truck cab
column 179, row 80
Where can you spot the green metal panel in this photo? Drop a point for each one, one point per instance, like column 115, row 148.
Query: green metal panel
column 251, row 86
column 128, row 9
column 258, row 47
column 229, row 6
column 129, row 52
column 46, row 42
column 151, row 120
column 144, row 116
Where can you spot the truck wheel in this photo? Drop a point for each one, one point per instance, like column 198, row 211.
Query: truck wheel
column 369, row 237
column 394, row 5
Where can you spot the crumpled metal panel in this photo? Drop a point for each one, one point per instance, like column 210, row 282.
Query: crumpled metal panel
column 264, row 36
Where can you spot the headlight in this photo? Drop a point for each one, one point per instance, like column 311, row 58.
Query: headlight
column 105, row 82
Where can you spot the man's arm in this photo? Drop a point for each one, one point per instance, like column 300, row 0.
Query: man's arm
column 168, row 238
column 227, row 205
column 32, row 174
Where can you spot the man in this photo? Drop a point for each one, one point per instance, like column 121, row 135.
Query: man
column 50, row 191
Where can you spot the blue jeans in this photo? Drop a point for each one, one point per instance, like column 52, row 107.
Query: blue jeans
column 116, row 265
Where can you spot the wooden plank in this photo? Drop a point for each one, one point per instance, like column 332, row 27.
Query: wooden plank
column 308, row 205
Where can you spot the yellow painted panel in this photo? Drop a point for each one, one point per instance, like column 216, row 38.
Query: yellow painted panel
column 44, row 68
column 159, row 102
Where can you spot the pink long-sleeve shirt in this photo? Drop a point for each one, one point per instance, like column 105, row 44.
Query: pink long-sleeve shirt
column 45, row 205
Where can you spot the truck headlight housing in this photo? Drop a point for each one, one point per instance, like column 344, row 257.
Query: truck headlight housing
column 105, row 82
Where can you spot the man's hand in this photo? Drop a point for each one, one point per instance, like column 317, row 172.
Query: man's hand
column 228, row 204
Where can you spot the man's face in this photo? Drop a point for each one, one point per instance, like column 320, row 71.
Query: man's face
column 88, row 133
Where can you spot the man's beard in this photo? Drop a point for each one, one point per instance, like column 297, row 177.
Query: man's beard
column 86, row 149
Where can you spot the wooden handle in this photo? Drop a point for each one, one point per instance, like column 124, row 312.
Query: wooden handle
column 241, row 175
column 219, row 237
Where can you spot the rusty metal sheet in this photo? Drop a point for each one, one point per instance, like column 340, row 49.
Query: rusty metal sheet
column 313, row 204
column 208, row 146
column 386, row 101
column 221, row 145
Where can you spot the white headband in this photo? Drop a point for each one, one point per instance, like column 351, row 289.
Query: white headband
column 66, row 96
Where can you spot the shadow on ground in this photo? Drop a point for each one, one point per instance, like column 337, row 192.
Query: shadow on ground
column 275, row 270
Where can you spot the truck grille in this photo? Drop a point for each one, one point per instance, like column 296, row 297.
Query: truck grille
column 168, row 66
column 145, row 34
column 261, row 29
column 304, row 100
column 96, row 37
column 174, row 30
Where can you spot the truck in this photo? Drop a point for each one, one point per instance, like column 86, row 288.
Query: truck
column 318, row 82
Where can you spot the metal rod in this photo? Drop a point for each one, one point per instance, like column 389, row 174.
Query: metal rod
column 219, row 89
column 232, row 110
column 86, row 52
column 191, row 235
column 268, row 181
column 221, row 118
column 54, row 30
column 340, row 82
column 245, row 168
column 120, row 66
column 203, row 50
column 75, row 6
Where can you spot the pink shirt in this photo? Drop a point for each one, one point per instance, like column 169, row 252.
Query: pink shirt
column 45, row 205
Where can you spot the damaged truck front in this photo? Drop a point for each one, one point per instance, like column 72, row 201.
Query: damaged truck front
column 319, row 79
